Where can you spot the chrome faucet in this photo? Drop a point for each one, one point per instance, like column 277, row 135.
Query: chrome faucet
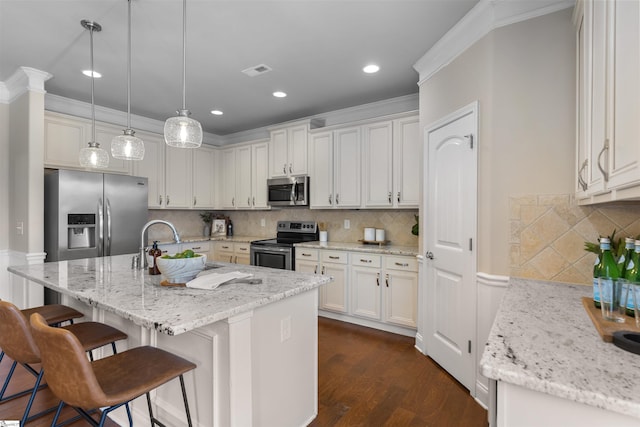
column 143, row 253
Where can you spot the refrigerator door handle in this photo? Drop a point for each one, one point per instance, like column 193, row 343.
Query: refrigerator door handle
column 108, row 245
column 100, row 228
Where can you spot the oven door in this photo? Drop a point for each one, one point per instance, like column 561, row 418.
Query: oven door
column 272, row 257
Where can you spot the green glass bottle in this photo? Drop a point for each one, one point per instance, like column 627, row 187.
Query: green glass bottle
column 607, row 268
column 632, row 275
column 629, row 246
column 596, row 275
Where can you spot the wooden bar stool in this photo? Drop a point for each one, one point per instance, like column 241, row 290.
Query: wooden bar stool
column 17, row 341
column 107, row 383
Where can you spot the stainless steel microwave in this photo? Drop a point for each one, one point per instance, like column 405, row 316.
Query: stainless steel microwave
column 293, row 191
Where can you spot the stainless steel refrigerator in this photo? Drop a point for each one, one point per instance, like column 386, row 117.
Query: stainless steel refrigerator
column 90, row 214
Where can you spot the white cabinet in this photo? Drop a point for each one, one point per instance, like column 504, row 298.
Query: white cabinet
column 203, row 247
column 401, row 290
column 307, row 260
column 333, row 296
column 233, row 252
column 243, row 176
column 178, row 177
column 335, row 169
column 365, row 270
column 204, row 177
column 391, row 163
column 608, row 98
column 152, row 167
column 288, row 150
column 65, row 136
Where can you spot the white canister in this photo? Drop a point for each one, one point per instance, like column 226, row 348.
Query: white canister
column 369, row 234
column 379, row 235
column 324, row 236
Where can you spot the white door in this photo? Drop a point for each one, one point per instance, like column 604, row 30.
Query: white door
column 450, row 241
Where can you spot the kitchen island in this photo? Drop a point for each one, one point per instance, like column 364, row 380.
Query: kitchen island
column 255, row 345
column 551, row 366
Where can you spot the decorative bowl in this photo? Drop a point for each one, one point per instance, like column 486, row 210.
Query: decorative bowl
column 181, row 270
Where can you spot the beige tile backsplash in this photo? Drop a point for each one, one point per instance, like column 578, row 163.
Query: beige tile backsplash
column 548, row 234
column 397, row 223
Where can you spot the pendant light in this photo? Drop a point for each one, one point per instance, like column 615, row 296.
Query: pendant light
column 93, row 156
column 182, row 131
column 128, row 146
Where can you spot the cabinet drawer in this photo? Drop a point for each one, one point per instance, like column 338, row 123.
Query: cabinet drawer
column 197, row 247
column 242, row 248
column 170, row 249
column 403, row 263
column 224, row 247
column 365, row 260
column 336, row 257
column 307, row 254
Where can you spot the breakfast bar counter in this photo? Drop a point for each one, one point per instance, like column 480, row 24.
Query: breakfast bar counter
column 255, row 345
column 552, row 367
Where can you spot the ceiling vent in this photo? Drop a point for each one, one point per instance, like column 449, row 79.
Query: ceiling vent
column 257, row 70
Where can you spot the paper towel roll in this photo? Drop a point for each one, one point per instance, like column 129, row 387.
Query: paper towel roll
column 370, row 234
column 379, row 235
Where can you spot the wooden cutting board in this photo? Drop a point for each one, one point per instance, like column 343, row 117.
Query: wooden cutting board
column 178, row 285
column 604, row 327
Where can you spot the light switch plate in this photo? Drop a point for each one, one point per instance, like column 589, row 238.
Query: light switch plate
column 347, row 224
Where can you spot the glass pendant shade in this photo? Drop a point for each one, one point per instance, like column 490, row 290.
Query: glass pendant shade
column 127, row 146
column 182, row 131
column 93, row 156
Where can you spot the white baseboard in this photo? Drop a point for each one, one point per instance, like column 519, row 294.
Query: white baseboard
column 408, row 332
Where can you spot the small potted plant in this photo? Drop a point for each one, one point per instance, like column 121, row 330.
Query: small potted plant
column 207, row 218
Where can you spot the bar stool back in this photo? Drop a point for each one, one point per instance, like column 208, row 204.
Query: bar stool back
column 107, row 383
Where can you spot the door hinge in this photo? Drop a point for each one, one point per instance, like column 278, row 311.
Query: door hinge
column 469, row 346
column 470, row 138
column 470, row 244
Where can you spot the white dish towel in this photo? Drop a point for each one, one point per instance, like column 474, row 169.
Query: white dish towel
column 213, row 280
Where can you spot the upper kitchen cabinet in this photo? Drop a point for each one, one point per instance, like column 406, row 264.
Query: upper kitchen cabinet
column 243, row 176
column 288, row 149
column 152, row 167
column 335, row 169
column 65, row 136
column 204, row 177
column 391, row 168
column 608, row 60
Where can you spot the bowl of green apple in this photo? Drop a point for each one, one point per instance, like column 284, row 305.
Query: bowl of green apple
column 181, row 267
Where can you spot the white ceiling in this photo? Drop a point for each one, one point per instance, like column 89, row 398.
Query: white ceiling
column 317, row 49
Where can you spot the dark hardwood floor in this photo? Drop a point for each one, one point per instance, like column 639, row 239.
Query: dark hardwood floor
column 373, row 378
column 366, row 378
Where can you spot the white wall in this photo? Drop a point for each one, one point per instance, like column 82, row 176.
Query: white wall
column 4, row 176
column 524, row 78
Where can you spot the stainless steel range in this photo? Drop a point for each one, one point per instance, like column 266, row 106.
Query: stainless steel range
column 280, row 252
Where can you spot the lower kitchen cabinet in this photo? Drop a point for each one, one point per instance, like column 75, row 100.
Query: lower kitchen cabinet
column 379, row 291
column 233, row 252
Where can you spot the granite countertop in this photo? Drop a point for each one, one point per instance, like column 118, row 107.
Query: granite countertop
column 109, row 283
column 192, row 239
column 543, row 339
column 361, row 247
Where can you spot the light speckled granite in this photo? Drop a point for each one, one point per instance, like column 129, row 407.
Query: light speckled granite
column 360, row 247
column 542, row 339
column 110, row 284
column 192, row 239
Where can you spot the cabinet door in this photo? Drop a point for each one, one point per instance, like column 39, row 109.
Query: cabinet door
column 583, row 73
column 297, row 150
column 305, row 266
column 63, row 139
column 223, row 252
column 203, row 247
column 333, row 296
column 278, row 153
column 228, row 178
column 624, row 156
column 377, row 149
column 347, row 168
column 242, row 253
column 260, row 174
column 401, row 297
column 321, row 171
column 243, row 177
column 104, row 135
column 178, row 176
column 204, row 159
column 407, row 153
column 365, row 292
column 152, row 167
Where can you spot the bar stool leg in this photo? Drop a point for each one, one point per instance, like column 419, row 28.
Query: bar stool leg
column 184, row 398
column 36, row 386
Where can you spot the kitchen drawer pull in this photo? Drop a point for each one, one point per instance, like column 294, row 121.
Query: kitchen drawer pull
column 242, row 249
column 322, row 270
column 330, row 202
column 290, row 168
column 337, row 199
column 386, row 280
column 254, row 201
column 248, row 201
column 398, row 197
column 231, row 258
column 333, row 257
column 284, row 168
column 402, row 264
column 315, row 270
column 195, row 248
column 160, row 200
column 378, row 279
column 167, row 200
column 225, row 247
column 389, row 197
column 365, row 260
column 303, row 254
column 233, row 201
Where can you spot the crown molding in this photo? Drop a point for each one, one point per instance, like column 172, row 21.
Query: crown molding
column 24, row 79
column 485, row 17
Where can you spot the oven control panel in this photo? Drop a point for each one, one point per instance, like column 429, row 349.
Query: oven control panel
column 297, row 226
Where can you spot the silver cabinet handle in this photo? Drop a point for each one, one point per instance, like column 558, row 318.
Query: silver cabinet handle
column 254, row 200
column 315, row 270
column 402, row 264
column 389, row 196
column 378, row 279
column 386, row 280
column 195, row 248
column 167, row 200
column 242, row 249
column 398, row 197
column 248, row 201
column 581, row 182
column 337, row 199
column 330, row 202
column 231, row 258
column 108, row 243
column 160, row 200
column 303, row 254
column 365, row 260
column 604, row 148
column 333, row 257
column 284, row 168
column 233, row 201
column 225, row 247
column 290, row 168
column 194, row 200
column 322, row 270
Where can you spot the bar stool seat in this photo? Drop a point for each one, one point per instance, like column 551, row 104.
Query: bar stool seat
column 54, row 314
column 107, row 383
column 17, row 341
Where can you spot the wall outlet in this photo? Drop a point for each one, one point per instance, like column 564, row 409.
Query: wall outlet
column 20, row 228
column 347, row 224
column 263, row 222
column 285, row 329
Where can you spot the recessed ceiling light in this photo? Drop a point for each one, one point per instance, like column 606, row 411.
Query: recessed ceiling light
column 217, row 112
column 371, row 68
column 279, row 94
column 87, row 73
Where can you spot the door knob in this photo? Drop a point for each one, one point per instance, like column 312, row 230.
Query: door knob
column 429, row 255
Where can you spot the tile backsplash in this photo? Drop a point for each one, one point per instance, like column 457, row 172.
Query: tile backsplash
column 397, row 223
column 548, row 234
